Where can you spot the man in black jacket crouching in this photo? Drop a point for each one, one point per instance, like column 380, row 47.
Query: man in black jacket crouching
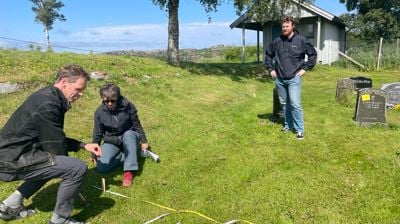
column 34, row 148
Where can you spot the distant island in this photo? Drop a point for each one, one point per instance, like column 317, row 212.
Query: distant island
column 188, row 54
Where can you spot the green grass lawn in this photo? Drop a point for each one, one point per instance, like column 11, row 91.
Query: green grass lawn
column 220, row 153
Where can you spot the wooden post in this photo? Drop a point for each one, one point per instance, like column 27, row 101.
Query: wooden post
column 243, row 45
column 351, row 59
column 378, row 63
column 397, row 46
column 258, row 46
column 319, row 38
column 103, row 184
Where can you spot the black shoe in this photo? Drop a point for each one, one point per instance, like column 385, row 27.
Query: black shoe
column 68, row 221
column 300, row 135
column 7, row 213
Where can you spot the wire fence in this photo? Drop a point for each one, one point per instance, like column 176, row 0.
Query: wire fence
column 24, row 45
column 371, row 54
column 374, row 54
column 218, row 53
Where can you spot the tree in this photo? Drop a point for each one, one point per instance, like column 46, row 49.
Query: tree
column 380, row 24
column 172, row 6
column 266, row 10
column 353, row 24
column 373, row 19
column 47, row 11
column 260, row 10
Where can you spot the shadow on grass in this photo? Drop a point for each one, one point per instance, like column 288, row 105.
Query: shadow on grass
column 94, row 203
column 271, row 117
column 235, row 71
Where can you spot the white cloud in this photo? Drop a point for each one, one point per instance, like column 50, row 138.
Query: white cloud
column 3, row 44
column 122, row 33
column 154, row 36
column 12, row 44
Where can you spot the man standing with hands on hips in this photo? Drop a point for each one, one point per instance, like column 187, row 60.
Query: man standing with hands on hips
column 285, row 60
column 34, row 148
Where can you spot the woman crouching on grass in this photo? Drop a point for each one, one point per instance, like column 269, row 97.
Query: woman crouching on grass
column 116, row 123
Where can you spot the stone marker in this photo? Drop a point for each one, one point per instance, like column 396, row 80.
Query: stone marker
column 98, row 75
column 371, row 106
column 392, row 91
column 361, row 82
column 276, row 106
column 8, row 87
column 346, row 89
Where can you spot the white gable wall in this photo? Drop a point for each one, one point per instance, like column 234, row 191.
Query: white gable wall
column 330, row 42
column 297, row 11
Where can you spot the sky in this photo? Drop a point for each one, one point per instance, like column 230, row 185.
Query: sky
column 101, row 25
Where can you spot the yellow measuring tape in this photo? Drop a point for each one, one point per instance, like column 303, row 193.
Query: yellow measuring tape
column 176, row 211
column 190, row 211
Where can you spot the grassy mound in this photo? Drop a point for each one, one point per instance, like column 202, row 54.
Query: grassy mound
column 221, row 154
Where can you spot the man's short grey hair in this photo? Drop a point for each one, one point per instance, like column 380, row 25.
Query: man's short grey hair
column 110, row 91
column 71, row 72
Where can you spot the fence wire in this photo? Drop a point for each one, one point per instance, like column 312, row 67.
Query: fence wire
column 12, row 43
column 366, row 52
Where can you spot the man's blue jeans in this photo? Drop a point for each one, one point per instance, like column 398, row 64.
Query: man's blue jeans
column 289, row 94
column 112, row 155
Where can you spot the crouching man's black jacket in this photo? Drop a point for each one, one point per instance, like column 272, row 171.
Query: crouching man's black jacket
column 34, row 133
column 288, row 55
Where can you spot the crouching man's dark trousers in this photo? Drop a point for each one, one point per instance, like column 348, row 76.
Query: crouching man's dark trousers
column 70, row 170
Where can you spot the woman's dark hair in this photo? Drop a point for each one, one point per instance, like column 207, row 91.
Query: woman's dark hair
column 110, row 91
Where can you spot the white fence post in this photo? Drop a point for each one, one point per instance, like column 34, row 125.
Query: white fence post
column 378, row 63
column 329, row 52
column 244, row 45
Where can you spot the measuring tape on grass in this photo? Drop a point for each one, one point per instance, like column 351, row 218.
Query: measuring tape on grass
column 173, row 211
column 192, row 212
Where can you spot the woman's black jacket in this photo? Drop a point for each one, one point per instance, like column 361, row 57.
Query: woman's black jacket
column 111, row 125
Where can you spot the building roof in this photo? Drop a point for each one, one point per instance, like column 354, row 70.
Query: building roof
column 248, row 23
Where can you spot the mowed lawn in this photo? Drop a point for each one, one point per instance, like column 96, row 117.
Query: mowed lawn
column 221, row 155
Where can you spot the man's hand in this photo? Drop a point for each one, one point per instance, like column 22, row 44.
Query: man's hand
column 273, row 74
column 93, row 148
column 145, row 146
column 301, row 73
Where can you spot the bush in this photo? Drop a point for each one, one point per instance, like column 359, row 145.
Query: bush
column 235, row 53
